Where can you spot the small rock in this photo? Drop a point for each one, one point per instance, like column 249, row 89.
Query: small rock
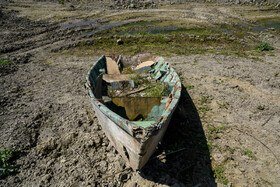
column 131, row 6
column 97, row 140
column 62, row 161
column 242, row 169
column 45, row 179
column 120, row 42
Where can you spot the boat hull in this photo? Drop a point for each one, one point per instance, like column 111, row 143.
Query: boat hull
column 135, row 143
column 136, row 153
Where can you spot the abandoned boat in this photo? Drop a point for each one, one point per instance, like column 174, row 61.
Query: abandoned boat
column 133, row 107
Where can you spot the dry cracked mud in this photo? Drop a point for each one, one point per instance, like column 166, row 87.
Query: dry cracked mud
column 227, row 124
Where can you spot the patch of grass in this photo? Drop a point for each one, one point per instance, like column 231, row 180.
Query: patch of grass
column 204, row 100
column 231, row 150
column 139, row 80
column 223, row 104
column 157, row 90
column 61, row 2
column 221, row 128
column 129, row 16
column 181, row 76
column 204, row 109
column 194, row 62
column 219, row 174
column 189, row 87
column 264, row 46
column 7, row 166
column 266, row 182
column 5, row 62
column 212, row 131
column 248, row 152
column 240, row 89
column 210, row 145
column 154, row 89
column 253, row 84
column 49, row 62
column 257, row 59
column 128, row 70
column 162, row 38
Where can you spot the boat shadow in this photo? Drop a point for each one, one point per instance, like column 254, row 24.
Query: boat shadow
column 187, row 157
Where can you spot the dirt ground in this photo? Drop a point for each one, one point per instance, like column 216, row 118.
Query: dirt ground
column 227, row 122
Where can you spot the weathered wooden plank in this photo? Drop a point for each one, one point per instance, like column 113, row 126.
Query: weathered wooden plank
column 112, row 67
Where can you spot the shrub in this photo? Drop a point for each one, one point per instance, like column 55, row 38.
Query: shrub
column 6, row 162
column 264, row 46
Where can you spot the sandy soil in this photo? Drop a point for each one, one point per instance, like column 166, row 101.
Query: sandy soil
column 228, row 116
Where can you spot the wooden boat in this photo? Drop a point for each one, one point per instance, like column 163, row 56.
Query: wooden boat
column 134, row 122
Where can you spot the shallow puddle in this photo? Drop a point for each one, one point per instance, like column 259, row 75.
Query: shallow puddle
column 261, row 27
column 156, row 30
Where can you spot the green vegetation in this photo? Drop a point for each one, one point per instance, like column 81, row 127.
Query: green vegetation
column 61, row 2
column 153, row 88
column 204, row 109
column 147, row 87
column 219, row 174
column 223, row 104
column 181, row 76
column 5, row 62
column 212, row 131
column 194, row 62
column 248, row 152
column 157, row 90
column 139, row 80
column 204, row 100
column 210, row 146
column 189, row 87
column 264, row 46
column 266, row 182
column 163, row 37
column 6, row 162
column 231, row 150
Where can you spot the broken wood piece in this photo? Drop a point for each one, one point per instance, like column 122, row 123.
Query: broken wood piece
column 132, row 92
column 112, row 67
column 120, row 56
column 144, row 64
column 116, row 77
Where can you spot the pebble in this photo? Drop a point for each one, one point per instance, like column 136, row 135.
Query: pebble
column 120, row 42
column 242, row 169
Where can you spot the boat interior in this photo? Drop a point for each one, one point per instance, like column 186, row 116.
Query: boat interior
column 142, row 104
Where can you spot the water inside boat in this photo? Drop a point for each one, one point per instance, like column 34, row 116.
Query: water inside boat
column 137, row 108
